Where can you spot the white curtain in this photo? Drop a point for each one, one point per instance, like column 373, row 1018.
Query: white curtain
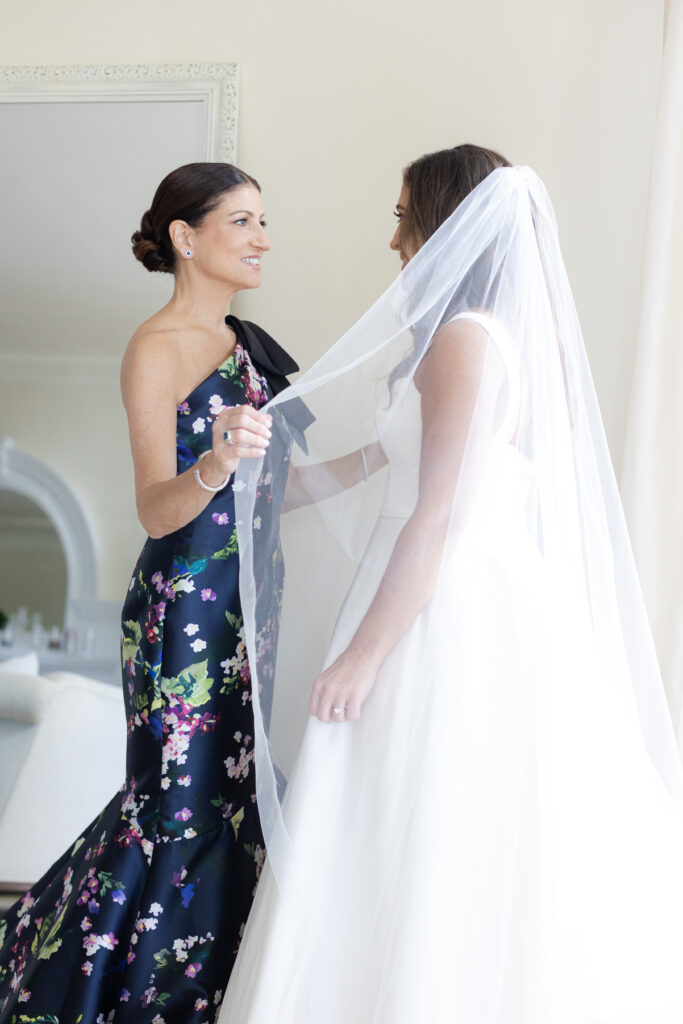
column 652, row 485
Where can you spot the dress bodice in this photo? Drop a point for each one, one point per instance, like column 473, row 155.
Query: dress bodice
column 503, row 478
column 235, row 382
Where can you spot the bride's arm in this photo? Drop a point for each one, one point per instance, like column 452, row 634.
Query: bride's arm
column 308, row 484
column 449, row 382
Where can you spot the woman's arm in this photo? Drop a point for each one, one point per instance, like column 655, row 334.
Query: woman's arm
column 166, row 502
column 449, row 381
column 308, row 484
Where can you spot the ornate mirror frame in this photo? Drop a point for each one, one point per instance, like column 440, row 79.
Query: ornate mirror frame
column 214, row 86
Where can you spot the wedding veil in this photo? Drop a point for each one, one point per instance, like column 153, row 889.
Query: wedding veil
column 316, row 537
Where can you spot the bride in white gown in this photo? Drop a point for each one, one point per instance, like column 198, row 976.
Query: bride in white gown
column 483, row 818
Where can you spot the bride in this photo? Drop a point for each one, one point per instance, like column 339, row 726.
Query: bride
column 467, row 778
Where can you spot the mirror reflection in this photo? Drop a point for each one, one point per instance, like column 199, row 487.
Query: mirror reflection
column 34, row 575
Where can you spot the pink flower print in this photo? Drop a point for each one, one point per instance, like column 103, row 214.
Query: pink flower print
column 149, row 996
column 192, row 970
column 86, row 924
column 222, row 518
column 130, row 957
column 183, row 815
column 90, row 944
column 183, row 408
column 184, row 780
column 86, row 967
column 201, row 1004
column 25, row 995
column 208, row 594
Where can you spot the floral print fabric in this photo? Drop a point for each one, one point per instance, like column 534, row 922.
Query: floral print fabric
column 141, row 920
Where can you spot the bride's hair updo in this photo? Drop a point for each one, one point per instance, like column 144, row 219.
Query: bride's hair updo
column 438, row 183
column 188, row 193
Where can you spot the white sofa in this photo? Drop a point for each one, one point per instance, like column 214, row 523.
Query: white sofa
column 62, row 758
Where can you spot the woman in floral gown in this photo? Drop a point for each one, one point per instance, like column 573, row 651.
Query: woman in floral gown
column 141, row 919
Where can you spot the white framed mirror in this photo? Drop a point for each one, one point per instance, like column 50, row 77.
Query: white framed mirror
column 84, row 149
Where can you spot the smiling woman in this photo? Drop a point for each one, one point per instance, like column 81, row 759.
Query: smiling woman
column 150, row 903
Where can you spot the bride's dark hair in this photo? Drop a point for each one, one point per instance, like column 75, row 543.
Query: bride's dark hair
column 438, row 183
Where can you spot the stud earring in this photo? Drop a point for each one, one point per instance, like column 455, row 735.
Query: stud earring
column 188, row 252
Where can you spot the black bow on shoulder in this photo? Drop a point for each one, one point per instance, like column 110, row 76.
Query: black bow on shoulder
column 269, row 357
column 274, row 363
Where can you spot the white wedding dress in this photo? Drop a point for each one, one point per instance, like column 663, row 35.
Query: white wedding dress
column 491, row 843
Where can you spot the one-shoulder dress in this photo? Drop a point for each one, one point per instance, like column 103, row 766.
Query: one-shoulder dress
column 141, row 919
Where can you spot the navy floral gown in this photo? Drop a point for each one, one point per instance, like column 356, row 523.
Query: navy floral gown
column 141, row 919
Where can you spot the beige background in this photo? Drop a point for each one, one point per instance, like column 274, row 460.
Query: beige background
column 334, row 99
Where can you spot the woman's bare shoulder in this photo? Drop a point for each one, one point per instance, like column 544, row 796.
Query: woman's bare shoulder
column 153, row 354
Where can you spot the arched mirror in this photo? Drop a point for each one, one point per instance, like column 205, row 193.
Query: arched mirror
column 49, row 573
column 33, row 582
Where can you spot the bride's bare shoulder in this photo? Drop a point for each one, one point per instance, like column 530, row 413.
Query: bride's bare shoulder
column 458, row 348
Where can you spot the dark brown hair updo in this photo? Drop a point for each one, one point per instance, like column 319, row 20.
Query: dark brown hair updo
column 438, row 183
column 188, row 193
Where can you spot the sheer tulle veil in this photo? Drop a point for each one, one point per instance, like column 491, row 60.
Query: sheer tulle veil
column 499, row 837
column 535, row 456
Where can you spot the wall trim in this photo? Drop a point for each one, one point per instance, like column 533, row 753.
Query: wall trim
column 214, row 84
column 60, row 371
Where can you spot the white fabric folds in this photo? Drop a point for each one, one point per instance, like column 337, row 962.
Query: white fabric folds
column 499, row 839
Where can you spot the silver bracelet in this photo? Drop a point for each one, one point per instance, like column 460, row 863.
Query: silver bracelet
column 365, row 464
column 198, row 476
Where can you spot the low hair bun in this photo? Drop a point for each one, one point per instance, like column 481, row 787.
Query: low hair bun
column 187, row 194
column 147, row 249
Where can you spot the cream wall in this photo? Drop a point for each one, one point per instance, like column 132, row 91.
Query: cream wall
column 334, row 99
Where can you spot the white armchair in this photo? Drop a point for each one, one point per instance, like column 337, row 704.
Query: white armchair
column 62, row 758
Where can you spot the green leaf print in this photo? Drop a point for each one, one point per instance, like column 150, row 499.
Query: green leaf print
column 234, row 620
column 229, row 549
column 130, row 645
column 107, row 882
column 45, row 941
column 45, row 1018
column 237, row 820
column 140, row 701
column 163, row 957
column 193, row 684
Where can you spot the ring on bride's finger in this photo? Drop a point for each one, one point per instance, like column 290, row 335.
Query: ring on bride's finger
column 338, row 711
column 227, row 437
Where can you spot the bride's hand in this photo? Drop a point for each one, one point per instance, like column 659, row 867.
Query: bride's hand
column 340, row 690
